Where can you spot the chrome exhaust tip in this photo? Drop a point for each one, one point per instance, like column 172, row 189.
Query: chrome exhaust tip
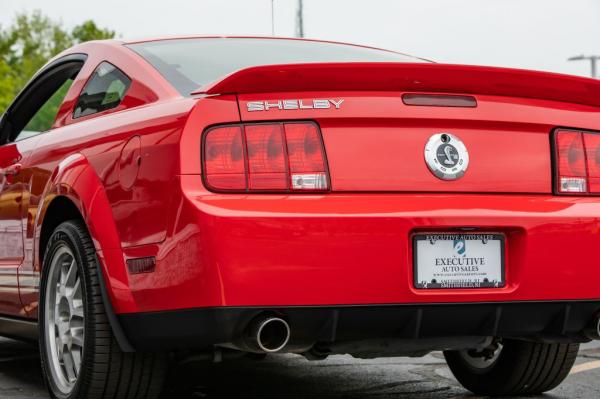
column 593, row 330
column 268, row 334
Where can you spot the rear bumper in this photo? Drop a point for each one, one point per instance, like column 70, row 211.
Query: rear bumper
column 353, row 249
column 349, row 328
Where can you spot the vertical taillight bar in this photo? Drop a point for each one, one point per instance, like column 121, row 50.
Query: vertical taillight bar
column 224, row 158
column 265, row 157
column 591, row 143
column 267, row 164
column 577, row 162
column 308, row 167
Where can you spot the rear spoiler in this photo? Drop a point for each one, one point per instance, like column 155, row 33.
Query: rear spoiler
column 408, row 77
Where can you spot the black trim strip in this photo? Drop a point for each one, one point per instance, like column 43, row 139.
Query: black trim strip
column 115, row 325
column 560, row 321
column 79, row 57
column 18, row 328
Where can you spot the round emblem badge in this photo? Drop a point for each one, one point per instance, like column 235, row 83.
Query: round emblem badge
column 446, row 156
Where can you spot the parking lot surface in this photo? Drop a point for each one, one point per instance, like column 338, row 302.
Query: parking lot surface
column 291, row 376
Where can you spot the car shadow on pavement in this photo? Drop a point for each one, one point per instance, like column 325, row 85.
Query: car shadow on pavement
column 278, row 376
column 20, row 373
column 293, row 377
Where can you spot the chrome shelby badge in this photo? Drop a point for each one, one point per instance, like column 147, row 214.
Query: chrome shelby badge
column 324, row 103
column 446, row 156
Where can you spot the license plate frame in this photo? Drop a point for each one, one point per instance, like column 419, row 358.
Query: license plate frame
column 464, row 282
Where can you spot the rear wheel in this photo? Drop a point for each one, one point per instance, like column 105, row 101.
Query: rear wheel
column 513, row 367
column 79, row 354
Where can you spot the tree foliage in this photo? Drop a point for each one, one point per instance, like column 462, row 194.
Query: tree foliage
column 29, row 42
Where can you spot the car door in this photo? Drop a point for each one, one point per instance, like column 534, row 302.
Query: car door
column 11, row 228
column 33, row 112
column 13, row 158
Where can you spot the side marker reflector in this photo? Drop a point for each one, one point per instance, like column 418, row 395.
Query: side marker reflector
column 141, row 265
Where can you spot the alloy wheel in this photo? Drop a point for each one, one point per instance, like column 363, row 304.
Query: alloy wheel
column 482, row 360
column 64, row 319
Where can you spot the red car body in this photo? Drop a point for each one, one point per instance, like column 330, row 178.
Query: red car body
column 338, row 264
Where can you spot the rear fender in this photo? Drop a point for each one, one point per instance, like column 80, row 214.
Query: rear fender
column 75, row 179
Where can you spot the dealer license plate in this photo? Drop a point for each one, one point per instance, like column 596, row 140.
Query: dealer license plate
column 458, row 261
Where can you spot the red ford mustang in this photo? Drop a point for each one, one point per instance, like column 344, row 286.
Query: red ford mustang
column 231, row 195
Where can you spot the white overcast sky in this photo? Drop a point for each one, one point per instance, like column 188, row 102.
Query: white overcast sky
column 534, row 34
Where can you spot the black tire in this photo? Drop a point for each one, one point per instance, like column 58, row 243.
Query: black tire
column 522, row 368
column 106, row 372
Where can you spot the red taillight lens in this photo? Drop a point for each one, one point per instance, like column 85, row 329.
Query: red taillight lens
column 224, row 158
column 277, row 157
column 572, row 177
column 592, row 156
column 577, row 162
column 306, row 157
column 266, row 159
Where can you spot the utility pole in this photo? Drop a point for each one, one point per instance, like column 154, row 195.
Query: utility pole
column 593, row 59
column 300, row 19
column 272, row 17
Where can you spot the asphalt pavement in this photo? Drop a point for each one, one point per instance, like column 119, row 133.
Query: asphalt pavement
column 291, row 377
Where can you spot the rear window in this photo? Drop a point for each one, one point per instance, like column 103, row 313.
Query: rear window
column 189, row 64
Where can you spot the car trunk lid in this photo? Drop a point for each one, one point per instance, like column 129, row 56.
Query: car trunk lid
column 375, row 140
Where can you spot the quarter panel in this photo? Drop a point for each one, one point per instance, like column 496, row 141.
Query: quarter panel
column 75, row 179
column 83, row 160
column 138, row 207
column 208, row 111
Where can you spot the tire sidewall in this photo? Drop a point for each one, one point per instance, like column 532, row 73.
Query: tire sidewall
column 483, row 370
column 65, row 234
column 492, row 378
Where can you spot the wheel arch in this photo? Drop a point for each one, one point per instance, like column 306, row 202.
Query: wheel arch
column 59, row 210
column 73, row 186
column 76, row 192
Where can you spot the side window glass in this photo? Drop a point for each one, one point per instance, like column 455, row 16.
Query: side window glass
column 105, row 90
column 44, row 118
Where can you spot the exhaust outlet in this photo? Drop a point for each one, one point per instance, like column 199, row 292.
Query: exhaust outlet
column 593, row 330
column 267, row 334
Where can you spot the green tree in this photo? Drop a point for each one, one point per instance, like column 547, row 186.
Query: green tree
column 27, row 44
column 7, row 85
column 88, row 31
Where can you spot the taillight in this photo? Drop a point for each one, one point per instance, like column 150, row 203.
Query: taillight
column 224, row 158
column 592, row 157
column 577, row 162
column 306, row 157
column 271, row 157
column 267, row 168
